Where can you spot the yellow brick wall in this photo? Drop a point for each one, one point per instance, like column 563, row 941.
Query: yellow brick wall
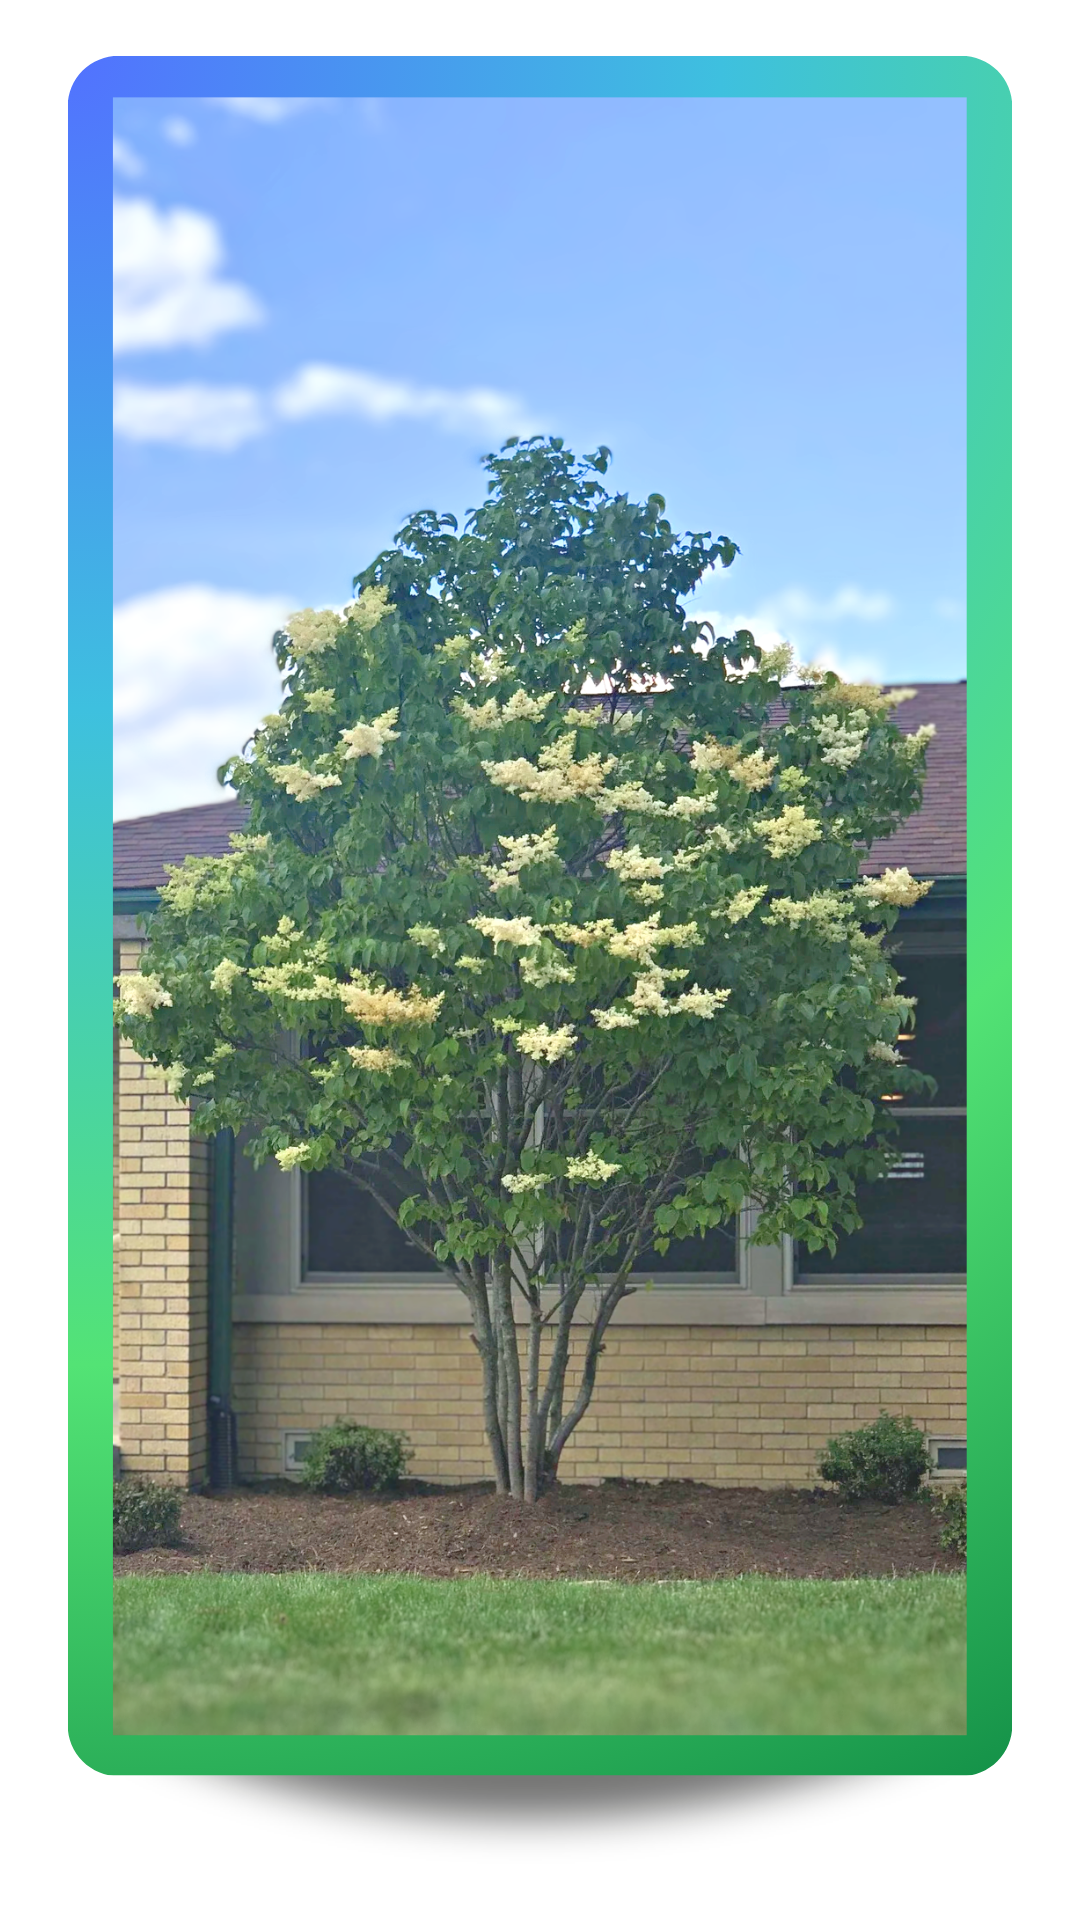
column 162, row 1204
column 739, row 1406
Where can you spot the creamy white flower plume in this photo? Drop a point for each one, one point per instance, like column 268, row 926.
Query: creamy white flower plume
column 140, row 993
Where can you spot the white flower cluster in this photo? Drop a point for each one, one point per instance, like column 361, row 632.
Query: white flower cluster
column 290, row 1157
column 641, row 939
column 702, row 1001
column 521, row 851
column 312, row 632
column 788, row 832
column 520, row 706
column 375, row 1059
column 545, row 1043
column 300, row 783
column 608, row 1018
column 370, row 737
column 590, row 1167
column 595, row 933
column 849, row 693
column 545, row 969
column 521, row 932
column 482, row 719
column 754, row 770
column 687, row 858
column 880, row 1050
column 226, row 971
column 630, row 797
column 690, row 806
column 775, row 662
column 378, row 1006
column 893, row 888
column 288, row 935
column 525, row 1182
column 913, row 743
column 648, row 997
column 319, row 700
column 456, row 645
column 557, row 777
column 429, row 938
column 825, row 913
column 742, row 904
column 639, row 871
column 249, row 842
column 140, row 993
column 708, row 756
column 372, row 606
column 841, row 745
column 489, row 667
column 793, row 780
column 201, row 882
column 471, row 963
column 290, row 981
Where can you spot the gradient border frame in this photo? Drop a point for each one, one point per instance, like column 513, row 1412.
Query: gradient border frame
column 90, row 614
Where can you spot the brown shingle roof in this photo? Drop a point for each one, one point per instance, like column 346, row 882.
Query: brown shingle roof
column 934, row 840
column 142, row 847
column 931, row 842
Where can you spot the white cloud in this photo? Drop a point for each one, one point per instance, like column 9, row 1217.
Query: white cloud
column 178, row 130
column 267, row 109
column 793, row 605
column 319, row 389
column 218, row 419
column 792, row 615
column 193, row 673
column 212, row 419
column 166, row 292
column 126, row 160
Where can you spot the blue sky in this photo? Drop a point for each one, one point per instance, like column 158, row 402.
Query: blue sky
column 327, row 311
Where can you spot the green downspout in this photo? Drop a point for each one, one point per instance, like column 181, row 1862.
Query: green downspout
column 221, row 1420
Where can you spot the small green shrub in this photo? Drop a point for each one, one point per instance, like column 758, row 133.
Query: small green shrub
column 953, row 1506
column 885, row 1461
column 347, row 1458
column 144, row 1515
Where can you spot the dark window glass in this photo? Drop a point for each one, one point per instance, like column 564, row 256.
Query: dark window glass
column 914, row 1217
column 952, row 1459
column 712, row 1254
column 939, row 1042
column 348, row 1233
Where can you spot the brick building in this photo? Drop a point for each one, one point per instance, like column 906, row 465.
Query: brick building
column 251, row 1307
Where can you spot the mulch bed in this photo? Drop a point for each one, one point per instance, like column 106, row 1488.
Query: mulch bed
column 621, row 1530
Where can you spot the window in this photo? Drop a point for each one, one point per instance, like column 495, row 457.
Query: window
column 915, row 1216
column 947, row 1456
column 347, row 1237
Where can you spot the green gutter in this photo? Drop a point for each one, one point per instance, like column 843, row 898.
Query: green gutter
column 136, row 900
column 221, row 1420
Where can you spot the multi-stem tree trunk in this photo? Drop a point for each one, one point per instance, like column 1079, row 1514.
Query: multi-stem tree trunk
column 525, row 1363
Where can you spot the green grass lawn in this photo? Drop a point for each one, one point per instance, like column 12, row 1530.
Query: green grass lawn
column 333, row 1653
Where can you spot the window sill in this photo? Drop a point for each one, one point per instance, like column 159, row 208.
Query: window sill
column 417, row 1304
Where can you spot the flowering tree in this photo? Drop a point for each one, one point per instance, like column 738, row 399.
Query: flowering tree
column 556, row 975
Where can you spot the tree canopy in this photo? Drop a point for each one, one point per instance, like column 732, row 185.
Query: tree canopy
column 548, row 930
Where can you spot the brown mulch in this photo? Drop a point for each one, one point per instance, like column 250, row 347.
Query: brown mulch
column 621, row 1530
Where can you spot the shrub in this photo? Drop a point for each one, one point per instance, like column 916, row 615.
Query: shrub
column 953, row 1504
column 144, row 1515
column 347, row 1458
column 884, row 1461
